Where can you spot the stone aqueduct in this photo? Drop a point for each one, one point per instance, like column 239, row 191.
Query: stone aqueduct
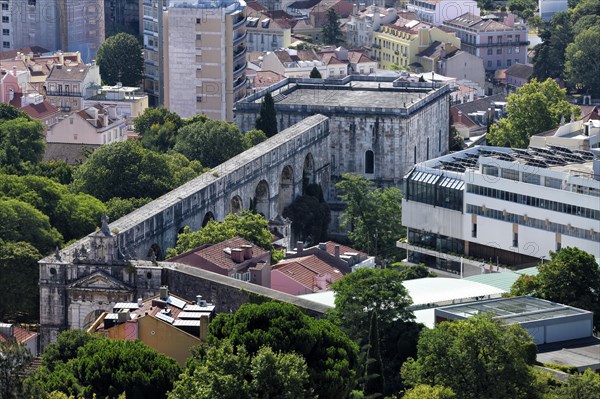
column 266, row 178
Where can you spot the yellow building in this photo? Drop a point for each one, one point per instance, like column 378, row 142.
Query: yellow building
column 399, row 43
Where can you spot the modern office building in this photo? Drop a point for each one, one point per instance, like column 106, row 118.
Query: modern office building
column 502, row 205
column 205, row 63
column 122, row 16
column 437, row 11
column 153, row 18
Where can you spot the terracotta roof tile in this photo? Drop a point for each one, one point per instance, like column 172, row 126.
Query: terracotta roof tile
column 305, row 270
column 20, row 334
column 41, row 110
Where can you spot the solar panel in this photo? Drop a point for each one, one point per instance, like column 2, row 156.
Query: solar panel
column 192, row 315
column 186, row 323
column 164, row 317
column 125, row 305
column 171, row 300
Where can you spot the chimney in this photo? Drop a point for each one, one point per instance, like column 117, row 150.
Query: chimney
column 323, row 246
column 140, row 302
column 321, row 282
column 299, row 247
column 237, row 255
column 7, row 329
column 123, row 316
column 203, row 327
column 61, row 57
column 164, row 292
column 198, row 300
column 247, row 250
column 336, row 251
column 460, row 117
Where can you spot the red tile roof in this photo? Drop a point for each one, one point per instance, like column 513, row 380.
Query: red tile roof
column 41, row 110
column 330, row 248
column 20, row 334
column 305, row 270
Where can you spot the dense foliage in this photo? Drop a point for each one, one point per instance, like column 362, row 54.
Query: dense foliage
column 330, row 355
column 373, row 215
column 310, row 215
column 226, row 372
column 14, row 359
column 121, row 59
column 534, row 108
column 106, row 368
column 331, row 31
column 571, row 277
column 21, row 141
column 267, row 118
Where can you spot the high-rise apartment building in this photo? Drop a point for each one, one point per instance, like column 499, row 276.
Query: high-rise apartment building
column 153, row 16
column 68, row 25
column 205, row 63
column 122, row 16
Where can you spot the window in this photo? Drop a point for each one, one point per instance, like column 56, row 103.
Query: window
column 489, row 64
column 509, row 50
column 4, row 7
column 508, row 62
column 427, row 148
column 369, row 162
column 5, row 32
column 5, row 44
column 71, row 122
column 517, row 50
column 415, row 155
column 198, row 21
column 440, row 140
column 517, row 38
column 499, row 51
column 490, row 40
column 198, row 36
column 490, row 51
column 31, row 2
column 5, row 19
column 499, row 39
column 510, row 174
column 499, row 63
column 474, row 230
column 515, row 240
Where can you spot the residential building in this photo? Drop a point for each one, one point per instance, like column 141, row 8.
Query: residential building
column 206, row 63
column 435, row 12
column 463, row 66
column 260, row 80
column 294, row 63
column 361, row 25
column 472, row 118
column 428, row 59
column 13, row 82
column 66, row 85
column 40, row 66
column 312, row 15
column 129, row 102
column 22, row 336
column 341, row 62
column 267, row 30
column 518, row 75
column 96, row 125
column 502, row 205
column 166, row 323
column 547, row 8
column 122, row 16
column 70, row 25
column 36, row 107
column 153, row 32
column 398, row 44
column 583, row 134
column 500, row 45
column 339, row 256
column 303, row 275
column 236, row 257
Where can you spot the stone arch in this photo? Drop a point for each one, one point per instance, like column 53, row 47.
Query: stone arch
column 286, row 188
column 154, row 252
column 90, row 318
column 207, row 218
column 236, row 205
column 261, row 199
column 308, row 171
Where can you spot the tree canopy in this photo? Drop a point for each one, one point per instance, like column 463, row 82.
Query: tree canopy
column 429, row 392
column 211, row 142
column 582, row 386
column 155, row 116
column 315, row 74
column 583, row 60
column 267, row 118
column 374, row 216
column 476, row 358
column 14, row 359
column 331, row 31
column 571, row 277
column 121, row 59
column 248, row 225
column 253, row 137
column 310, row 215
column 330, row 355
column 226, row 372
column 107, row 368
column 21, row 142
column 534, row 108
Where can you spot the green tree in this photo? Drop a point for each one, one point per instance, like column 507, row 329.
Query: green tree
column 330, row 355
column 22, row 222
column 65, row 348
column 156, row 116
column 267, row 117
column 21, row 144
column 429, row 392
column 374, row 381
column 476, row 358
column 128, row 170
column 534, row 108
column 583, row 386
column 210, row 142
column 571, row 277
column 14, row 359
column 19, row 277
column 457, row 143
column 585, row 8
column 523, row 8
column 583, row 61
column 253, row 137
column 331, row 32
column 412, row 272
column 374, row 216
column 107, row 368
column 549, row 59
column 160, row 138
column 8, row 112
column 584, row 23
column 224, row 372
column 310, row 215
column 59, row 171
column 360, row 293
column 485, row 4
column 535, row 22
column 315, row 74
column 121, row 59
column 248, row 225
column 116, row 207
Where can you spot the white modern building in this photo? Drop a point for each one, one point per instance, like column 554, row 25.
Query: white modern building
column 547, row 8
column 437, row 11
column 507, row 206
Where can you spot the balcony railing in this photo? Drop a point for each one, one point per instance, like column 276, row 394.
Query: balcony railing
column 239, row 39
column 239, row 69
column 239, row 52
column 502, row 44
column 69, row 93
column 239, row 22
column 240, row 83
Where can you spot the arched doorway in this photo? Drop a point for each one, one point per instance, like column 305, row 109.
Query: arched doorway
column 236, row 205
column 308, row 171
column 286, row 188
column 154, row 253
column 207, row 218
column 261, row 199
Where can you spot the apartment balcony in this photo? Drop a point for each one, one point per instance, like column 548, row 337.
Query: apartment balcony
column 64, row 93
column 239, row 69
column 240, row 84
column 503, row 44
column 239, row 21
column 375, row 45
column 237, row 40
column 239, row 52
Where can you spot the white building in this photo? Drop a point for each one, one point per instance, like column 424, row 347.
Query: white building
column 294, row 63
column 437, row 11
column 507, row 206
column 129, row 102
column 547, row 8
column 359, row 28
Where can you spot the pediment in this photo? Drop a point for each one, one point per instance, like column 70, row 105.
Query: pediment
column 100, row 281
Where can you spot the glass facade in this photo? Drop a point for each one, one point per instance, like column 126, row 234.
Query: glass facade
column 436, row 190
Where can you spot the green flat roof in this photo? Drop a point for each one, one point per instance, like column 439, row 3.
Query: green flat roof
column 504, row 281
